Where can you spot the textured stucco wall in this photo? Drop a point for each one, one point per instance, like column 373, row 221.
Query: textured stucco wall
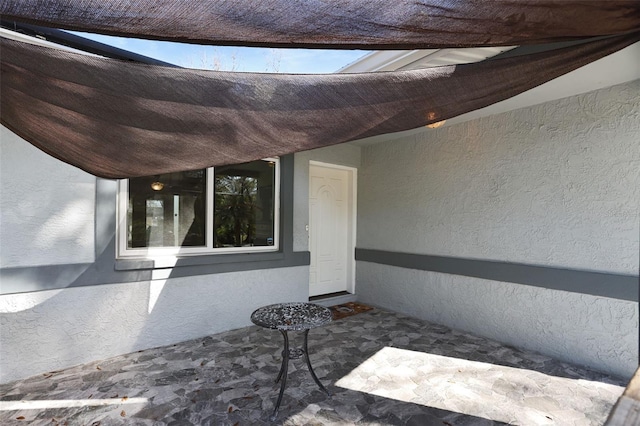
column 46, row 207
column 557, row 184
column 342, row 155
column 49, row 216
column 577, row 328
column 50, row 330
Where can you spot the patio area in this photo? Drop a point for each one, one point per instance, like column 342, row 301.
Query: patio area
column 383, row 368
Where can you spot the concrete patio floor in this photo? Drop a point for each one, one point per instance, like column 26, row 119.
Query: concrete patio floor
column 382, row 368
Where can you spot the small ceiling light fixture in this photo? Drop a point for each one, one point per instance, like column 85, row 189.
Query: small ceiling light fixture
column 432, row 116
column 157, row 186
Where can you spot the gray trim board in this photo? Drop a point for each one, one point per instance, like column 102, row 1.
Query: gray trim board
column 65, row 38
column 106, row 269
column 615, row 286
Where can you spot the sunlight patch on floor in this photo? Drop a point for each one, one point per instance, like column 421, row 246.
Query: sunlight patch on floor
column 485, row 390
column 46, row 404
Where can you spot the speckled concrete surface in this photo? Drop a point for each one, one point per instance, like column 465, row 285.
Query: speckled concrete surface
column 382, row 368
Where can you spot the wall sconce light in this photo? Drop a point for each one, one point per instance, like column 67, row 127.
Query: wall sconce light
column 433, row 116
column 157, row 186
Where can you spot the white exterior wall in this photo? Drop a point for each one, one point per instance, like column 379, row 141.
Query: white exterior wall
column 557, row 184
column 46, row 208
column 48, row 218
column 598, row 332
column 54, row 329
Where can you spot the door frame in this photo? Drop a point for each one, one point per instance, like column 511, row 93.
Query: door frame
column 353, row 209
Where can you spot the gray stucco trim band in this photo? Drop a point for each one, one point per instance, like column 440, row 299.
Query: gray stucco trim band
column 615, row 286
column 51, row 277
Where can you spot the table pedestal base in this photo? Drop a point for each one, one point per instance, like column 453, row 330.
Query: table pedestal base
column 293, row 353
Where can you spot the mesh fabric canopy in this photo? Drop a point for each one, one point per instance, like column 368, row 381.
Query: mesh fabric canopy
column 368, row 24
column 119, row 119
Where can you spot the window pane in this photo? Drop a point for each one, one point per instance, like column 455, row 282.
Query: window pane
column 244, row 204
column 167, row 210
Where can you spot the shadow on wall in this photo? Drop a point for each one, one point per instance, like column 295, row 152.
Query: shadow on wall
column 83, row 322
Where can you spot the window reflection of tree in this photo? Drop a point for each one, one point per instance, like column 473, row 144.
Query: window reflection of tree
column 236, row 207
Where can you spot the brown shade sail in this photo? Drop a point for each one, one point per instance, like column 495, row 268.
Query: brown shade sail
column 119, row 119
column 366, row 24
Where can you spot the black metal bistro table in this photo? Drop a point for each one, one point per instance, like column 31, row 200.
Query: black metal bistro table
column 285, row 317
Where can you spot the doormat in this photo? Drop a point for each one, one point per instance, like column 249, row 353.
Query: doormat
column 348, row 309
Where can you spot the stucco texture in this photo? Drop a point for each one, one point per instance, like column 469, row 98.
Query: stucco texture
column 557, row 184
column 581, row 329
column 47, row 207
column 55, row 214
column 54, row 329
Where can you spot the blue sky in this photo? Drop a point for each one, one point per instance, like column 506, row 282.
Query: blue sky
column 242, row 59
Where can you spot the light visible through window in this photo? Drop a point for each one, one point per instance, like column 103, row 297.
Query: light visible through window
column 230, row 208
column 167, row 210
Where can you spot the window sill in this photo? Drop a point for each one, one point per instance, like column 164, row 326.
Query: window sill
column 170, row 262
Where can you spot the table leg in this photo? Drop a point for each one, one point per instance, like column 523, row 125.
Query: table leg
column 285, row 358
column 283, row 374
column 313, row 374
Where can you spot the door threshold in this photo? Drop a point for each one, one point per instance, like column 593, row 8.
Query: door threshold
column 332, row 299
column 327, row 296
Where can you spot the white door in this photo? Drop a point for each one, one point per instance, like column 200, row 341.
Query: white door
column 330, row 229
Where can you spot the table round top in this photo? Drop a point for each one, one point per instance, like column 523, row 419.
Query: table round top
column 291, row 316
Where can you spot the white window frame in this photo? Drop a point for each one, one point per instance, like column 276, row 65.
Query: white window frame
column 123, row 252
